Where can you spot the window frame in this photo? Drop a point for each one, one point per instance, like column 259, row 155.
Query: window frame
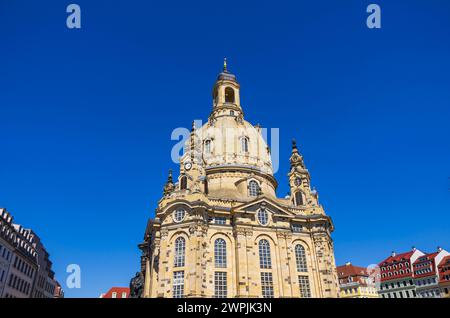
column 220, row 253
column 263, row 217
column 300, row 258
column 304, row 286
column 267, row 290
column 179, row 252
column 253, row 188
column 220, row 285
column 179, row 215
column 178, row 284
column 264, row 252
column 245, row 144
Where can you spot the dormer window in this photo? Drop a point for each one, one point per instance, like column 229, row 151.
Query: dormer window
column 244, row 144
column 253, row 188
column 263, row 217
column 229, row 95
column 208, row 146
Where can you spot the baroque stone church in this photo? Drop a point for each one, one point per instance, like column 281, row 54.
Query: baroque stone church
column 221, row 231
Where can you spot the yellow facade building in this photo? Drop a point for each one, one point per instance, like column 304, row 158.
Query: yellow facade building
column 221, row 231
column 355, row 282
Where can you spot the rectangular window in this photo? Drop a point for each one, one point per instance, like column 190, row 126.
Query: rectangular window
column 178, row 284
column 296, row 228
column 220, row 220
column 303, row 284
column 220, row 284
column 267, row 285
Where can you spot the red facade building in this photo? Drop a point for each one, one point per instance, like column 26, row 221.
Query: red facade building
column 397, row 275
column 117, row 292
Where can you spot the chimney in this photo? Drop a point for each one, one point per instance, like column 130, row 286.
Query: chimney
column 393, row 254
column 348, row 264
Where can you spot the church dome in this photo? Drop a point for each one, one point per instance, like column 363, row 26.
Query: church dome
column 229, row 141
column 228, row 152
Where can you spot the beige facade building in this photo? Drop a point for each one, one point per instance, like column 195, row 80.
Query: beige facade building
column 221, row 231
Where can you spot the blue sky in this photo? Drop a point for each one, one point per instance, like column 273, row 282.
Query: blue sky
column 86, row 116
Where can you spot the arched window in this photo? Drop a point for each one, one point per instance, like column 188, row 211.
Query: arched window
column 180, row 248
column 253, row 188
column 263, row 217
column 179, row 215
column 298, row 198
column 244, row 144
column 300, row 257
column 229, row 95
column 220, row 253
column 183, row 183
column 208, row 146
column 265, row 261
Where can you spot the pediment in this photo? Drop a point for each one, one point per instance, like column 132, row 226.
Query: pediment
column 269, row 204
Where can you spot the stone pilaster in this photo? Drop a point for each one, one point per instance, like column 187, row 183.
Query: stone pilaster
column 242, row 273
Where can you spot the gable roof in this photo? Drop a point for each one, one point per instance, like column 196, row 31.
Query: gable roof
column 347, row 270
column 271, row 205
column 398, row 257
column 118, row 291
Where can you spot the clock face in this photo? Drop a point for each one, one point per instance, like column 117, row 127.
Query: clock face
column 298, row 181
column 188, row 166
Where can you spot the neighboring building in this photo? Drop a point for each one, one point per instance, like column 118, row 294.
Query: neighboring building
column 45, row 282
column 6, row 247
column 59, row 292
column 444, row 276
column 397, row 275
column 19, row 276
column 25, row 259
column 221, row 231
column 355, row 282
column 117, row 292
column 426, row 275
